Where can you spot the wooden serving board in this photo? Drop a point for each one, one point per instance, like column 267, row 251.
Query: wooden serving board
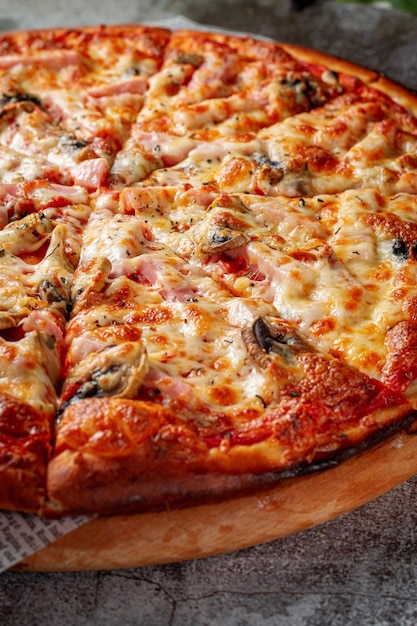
column 208, row 529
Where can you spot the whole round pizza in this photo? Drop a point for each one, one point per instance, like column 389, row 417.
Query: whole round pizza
column 208, row 265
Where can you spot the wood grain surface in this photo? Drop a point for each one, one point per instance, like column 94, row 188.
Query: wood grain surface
column 208, row 529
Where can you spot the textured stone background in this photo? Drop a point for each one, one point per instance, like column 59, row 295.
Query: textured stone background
column 358, row 570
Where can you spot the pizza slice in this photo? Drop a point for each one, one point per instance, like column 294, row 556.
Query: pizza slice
column 67, row 108
column 39, row 248
column 212, row 95
column 362, row 139
column 174, row 386
column 355, row 140
column 340, row 266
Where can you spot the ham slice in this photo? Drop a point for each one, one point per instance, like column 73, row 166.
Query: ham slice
column 91, row 174
column 134, row 84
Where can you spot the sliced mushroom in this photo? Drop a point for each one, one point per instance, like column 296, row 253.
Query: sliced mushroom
column 33, row 229
column 403, row 250
column 17, row 97
column 50, row 293
column 330, row 77
column 188, row 58
column 306, row 90
column 11, row 104
column 262, row 160
column 70, row 142
column 117, row 370
column 274, row 335
column 221, row 239
column 53, row 276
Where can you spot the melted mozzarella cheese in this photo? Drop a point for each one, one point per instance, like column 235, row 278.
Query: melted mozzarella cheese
column 315, row 260
column 27, row 376
column 345, row 144
column 190, row 327
column 38, row 254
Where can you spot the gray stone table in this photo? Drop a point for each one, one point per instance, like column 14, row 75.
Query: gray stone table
column 357, row 570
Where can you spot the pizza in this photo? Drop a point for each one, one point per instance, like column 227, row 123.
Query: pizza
column 208, row 265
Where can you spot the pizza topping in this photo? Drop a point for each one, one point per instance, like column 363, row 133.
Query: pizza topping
column 116, row 370
column 50, row 292
column 47, row 323
column 266, row 336
column 330, row 77
column 222, row 239
column 403, row 250
column 91, row 174
column 133, row 84
column 6, row 321
column 189, row 58
column 94, row 278
column 32, row 230
column 7, row 100
column 29, row 371
column 72, row 143
column 50, row 59
column 54, row 272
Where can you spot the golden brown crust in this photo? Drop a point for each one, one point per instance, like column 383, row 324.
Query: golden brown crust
column 86, row 482
column 115, row 454
column 399, row 94
column 61, row 36
column 22, row 490
column 333, row 63
column 25, row 442
column 245, row 46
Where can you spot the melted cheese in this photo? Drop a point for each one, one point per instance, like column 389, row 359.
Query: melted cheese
column 315, row 260
column 190, row 327
column 348, row 143
column 26, row 371
column 38, row 254
column 72, row 104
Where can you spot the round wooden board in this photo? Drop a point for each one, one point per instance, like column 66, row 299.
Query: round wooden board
column 208, row 529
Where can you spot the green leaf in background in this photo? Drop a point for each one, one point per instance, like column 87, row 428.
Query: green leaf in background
column 406, row 5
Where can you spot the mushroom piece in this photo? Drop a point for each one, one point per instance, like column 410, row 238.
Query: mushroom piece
column 188, row 58
column 272, row 335
column 12, row 104
column 53, row 276
column 50, row 293
column 10, row 99
column 269, row 172
column 118, row 371
column 33, row 230
column 222, row 239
